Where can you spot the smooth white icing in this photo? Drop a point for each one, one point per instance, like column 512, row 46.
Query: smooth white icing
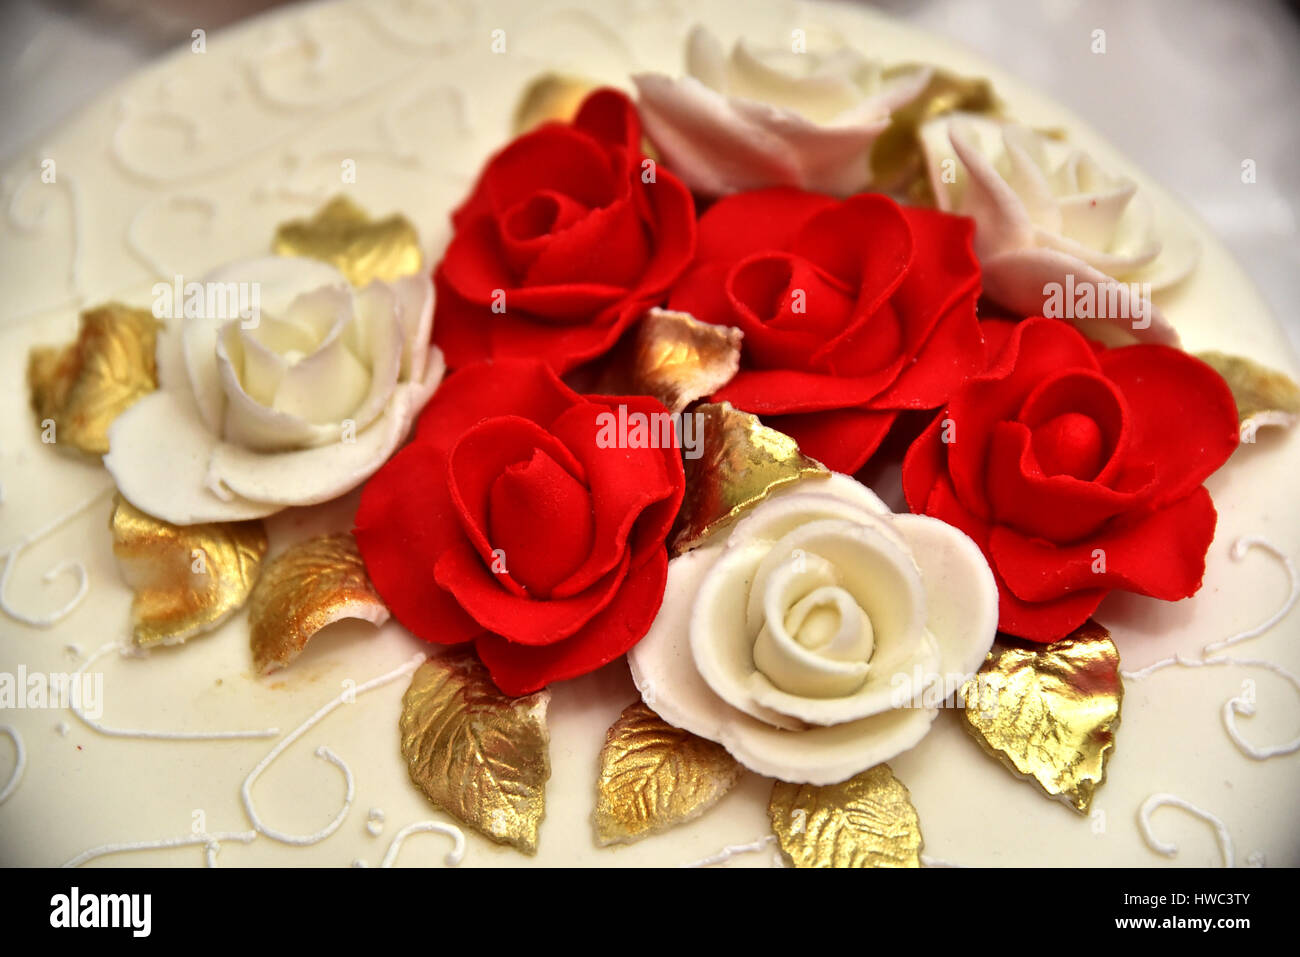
column 453, row 857
column 1157, row 801
column 78, row 707
column 733, row 850
column 1243, row 703
column 246, row 789
column 78, row 569
column 20, row 761
column 211, row 845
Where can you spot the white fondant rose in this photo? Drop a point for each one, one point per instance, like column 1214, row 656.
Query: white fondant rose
column 293, row 406
column 771, row 117
column 1049, row 218
column 813, row 642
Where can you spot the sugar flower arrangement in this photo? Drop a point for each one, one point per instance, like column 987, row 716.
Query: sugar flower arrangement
column 715, row 259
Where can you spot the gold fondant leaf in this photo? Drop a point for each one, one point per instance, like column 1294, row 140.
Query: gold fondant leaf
column 673, row 357
column 1050, row 712
column 187, row 579
column 1264, row 396
column 741, row 462
column 654, row 776
column 897, row 159
column 84, row 386
column 309, row 586
column 866, row 821
column 551, row 96
column 478, row 755
column 362, row 248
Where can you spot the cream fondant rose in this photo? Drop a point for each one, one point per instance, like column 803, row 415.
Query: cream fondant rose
column 819, row 637
column 292, row 403
column 772, row 117
column 1056, row 233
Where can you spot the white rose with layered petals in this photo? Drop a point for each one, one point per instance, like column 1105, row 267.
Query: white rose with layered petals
column 814, row 641
column 771, row 117
column 294, row 406
column 1045, row 211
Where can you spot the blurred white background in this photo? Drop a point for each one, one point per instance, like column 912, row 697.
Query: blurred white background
column 1187, row 88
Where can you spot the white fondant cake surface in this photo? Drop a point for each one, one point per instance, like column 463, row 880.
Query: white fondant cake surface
column 193, row 162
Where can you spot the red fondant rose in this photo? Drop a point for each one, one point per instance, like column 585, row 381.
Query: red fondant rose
column 1077, row 470
column 852, row 311
column 512, row 521
column 568, row 237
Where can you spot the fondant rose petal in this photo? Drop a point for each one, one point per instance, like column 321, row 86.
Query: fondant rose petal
column 1004, row 222
column 159, row 454
column 415, row 313
column 279, row 280
column 961, row 593
column 275, row 281
column 1017, row 279
column 309, row 476
column 712, row 149
column 247, row 421
column 664, row 671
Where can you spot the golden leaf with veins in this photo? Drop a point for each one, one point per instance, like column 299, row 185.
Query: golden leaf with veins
column 475, row 753
column 84, row 386
column 866, row 821
column 361, row 248
column 313, row 584
column 1050, row 712
column 673, row 357
column 654, row 776
column 187, row 579
column 551, row 96
column 1264, row 396
column 742, row 462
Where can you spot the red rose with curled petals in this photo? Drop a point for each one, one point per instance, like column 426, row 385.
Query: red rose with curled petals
column 852, row 312
column 1077, row 469
column 507, row 521
column 567, row 238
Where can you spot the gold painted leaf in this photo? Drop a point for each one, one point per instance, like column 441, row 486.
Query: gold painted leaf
column 187, row 579
column 363, row 249
column 866, row 821
column 897, row 159
column 475, row 753
column 551, row 96
column 1264, row 396
column 84, row 386
column 673, row 357
column 742, row 462
column 313, row 584
column 1050, row 712
column 654, row 776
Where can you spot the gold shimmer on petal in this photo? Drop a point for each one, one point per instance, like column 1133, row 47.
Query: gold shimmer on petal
column 361, row 248
column 1050, row 712
column 741, row 462
column 866, row 821
column 551, row 96
column 673, row 357
column 313, row 584
column 84, row 386
column 187, row 579
column 1264, row 396
column 897, row 159
column 478, row 755
column 654, row 776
